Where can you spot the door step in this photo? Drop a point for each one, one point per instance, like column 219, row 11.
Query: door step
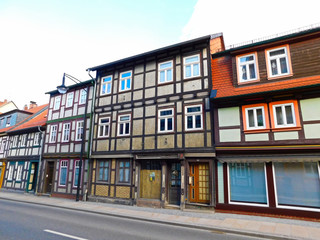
column 171, row 206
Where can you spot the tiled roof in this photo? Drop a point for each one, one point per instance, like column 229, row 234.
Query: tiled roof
column 223, row 83
column 38, row 118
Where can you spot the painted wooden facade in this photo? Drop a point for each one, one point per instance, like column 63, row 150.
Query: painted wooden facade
column 152, row 140
column 267, row 125
column 24, row 151
column 67, row 132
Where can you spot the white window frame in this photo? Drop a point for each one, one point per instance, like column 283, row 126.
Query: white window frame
column 285, row 125
column 254, row 109
column 10, row 172
column 80, row 125
column 165, row 117
column 101, row 133
column 36, row 139
column 23, row 140
column 15, row 141
column 105, row 85
column 69, row 100
column 82, row 96
column 125, row 79
column 57, row 102
column 53, row 133
column 8, row 120
column 63, row 164
column 193, row 115
column 192, row 64
column 19, row 172
column 165, row 70
column 66, row 132
column 124, row 123
column 247, row 64
column 277, row 58
column 2, row 146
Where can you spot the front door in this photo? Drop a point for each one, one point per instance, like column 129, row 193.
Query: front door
column 48, row 177
column 174, row 183
column 32, row 177
column 150, row 179
column 199, row 183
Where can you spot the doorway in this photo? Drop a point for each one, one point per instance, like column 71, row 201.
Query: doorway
column 48, row 178
column 199, row 183
column 32, row 182
column 174, row 183
column 150, row 180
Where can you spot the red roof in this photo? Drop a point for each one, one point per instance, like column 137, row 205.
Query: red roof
column 222, row 81
column 38, row 118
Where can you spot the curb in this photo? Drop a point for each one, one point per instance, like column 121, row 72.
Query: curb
column 168, row 222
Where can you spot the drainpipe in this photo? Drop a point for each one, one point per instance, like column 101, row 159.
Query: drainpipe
column 40, row 159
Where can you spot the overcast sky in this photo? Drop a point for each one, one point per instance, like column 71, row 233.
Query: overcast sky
column 42, row 39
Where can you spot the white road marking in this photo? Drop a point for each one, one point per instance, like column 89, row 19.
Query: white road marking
column 64, row 235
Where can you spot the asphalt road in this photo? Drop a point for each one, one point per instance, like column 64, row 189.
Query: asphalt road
column 35, row 222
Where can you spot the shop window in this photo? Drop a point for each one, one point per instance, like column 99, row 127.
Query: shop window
column 247, row 68
column 19, row 173
column 297, row 184
column 278, row 62
column 247, row 183
column 103, row 170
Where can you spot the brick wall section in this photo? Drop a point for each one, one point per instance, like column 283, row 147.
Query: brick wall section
column 216, row 45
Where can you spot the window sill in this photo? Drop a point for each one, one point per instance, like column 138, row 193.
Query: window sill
column 281, row 76
column 284, row 129
column 248, row 82
column 265, row 130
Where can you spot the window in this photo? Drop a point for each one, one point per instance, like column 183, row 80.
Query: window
column 2, row 146
column 165, row 72
column 106, row 85
column 103, row 168
column 124, row 171
column 8, row 121
column 1, row 122
column 19, row 172
column 15, row 141
column 193, row 117
column 69, row 99
column 76, row 173
column 66, row 132
column 23, row 140
column 291, row 180
column 278, row 61
column 255, row 117
column 165, row 120
column 125, row 81
column 104, row 126
column 284, row 114
column 36, row 140
column 57, row 101
column 63, row 172
column 247, row 68
column 53, row 134
column 191, row 66
column 10, row 173
column 124, row 125
column 247, row 183
column 83, row 96
column 79, row 131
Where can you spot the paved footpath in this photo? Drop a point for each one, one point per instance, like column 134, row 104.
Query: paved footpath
column 264, row 227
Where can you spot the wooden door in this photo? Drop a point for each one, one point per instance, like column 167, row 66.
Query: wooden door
column 49, row 177
column 174, row 183
column 150, row 180
column 199, row 185
column 32, row 177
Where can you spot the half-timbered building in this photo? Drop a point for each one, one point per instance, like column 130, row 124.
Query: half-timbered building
column 152, row 141
column 266, row 100
column 24, row 151
column 66, row 146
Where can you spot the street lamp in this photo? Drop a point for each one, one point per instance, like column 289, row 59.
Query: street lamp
column 63, row 89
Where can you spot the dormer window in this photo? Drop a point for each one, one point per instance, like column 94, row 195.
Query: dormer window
column 278, row 62
column 247, row 68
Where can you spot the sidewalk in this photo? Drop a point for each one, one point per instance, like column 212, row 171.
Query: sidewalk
column 265, row 227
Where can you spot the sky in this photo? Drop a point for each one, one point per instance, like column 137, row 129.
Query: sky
column 42, row 39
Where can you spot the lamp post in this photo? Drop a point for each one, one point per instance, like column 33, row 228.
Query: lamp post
column 62, row 89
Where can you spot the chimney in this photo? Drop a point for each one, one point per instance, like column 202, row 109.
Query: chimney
column 33, row 104
column 25, row 107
